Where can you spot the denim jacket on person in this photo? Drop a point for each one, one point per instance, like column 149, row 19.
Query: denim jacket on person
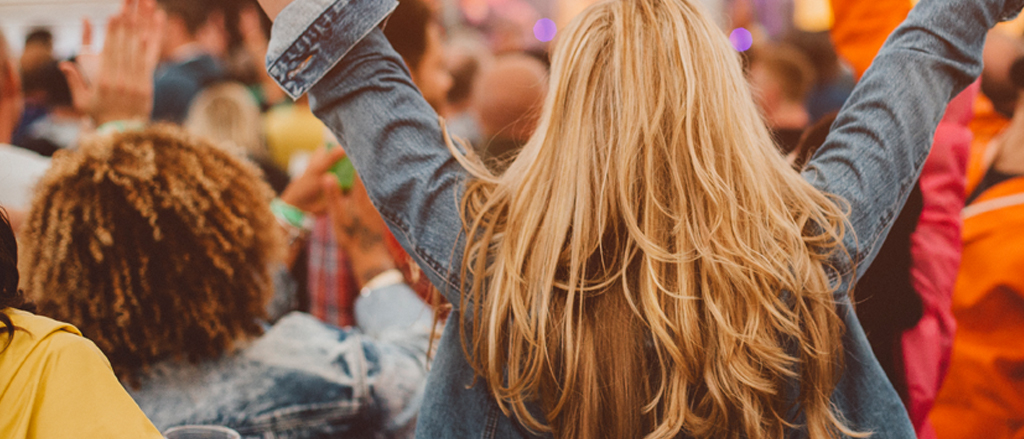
column 303, row 379
column 361, row 89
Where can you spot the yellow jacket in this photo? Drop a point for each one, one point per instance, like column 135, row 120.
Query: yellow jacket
column 54, row 383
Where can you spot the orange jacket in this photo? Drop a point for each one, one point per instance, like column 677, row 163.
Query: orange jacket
column 983, row 396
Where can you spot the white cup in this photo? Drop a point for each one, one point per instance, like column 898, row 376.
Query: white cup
column 201, row 432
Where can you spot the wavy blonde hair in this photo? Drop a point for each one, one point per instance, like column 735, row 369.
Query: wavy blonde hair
column 649, row 264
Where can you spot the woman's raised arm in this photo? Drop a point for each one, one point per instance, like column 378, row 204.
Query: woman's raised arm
column 884, row 133
column 360, row 88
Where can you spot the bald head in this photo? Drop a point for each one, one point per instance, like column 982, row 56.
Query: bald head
column 508, row 96
column 1001, row 50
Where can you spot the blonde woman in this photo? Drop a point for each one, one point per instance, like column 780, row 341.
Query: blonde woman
column 648, row 266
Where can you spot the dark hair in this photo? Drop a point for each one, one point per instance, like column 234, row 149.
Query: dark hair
column 10, row 296
column 158, row 243
column 789, row 66
column 1017, row 72
column 819, row 50
column 192, row 12
column 39, row 36
column 463, row 76
column 812, row 139
column 48, row 79
column 406, row 30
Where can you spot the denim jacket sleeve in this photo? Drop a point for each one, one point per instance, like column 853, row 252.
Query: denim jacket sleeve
column 361, row 89
column 883, row 134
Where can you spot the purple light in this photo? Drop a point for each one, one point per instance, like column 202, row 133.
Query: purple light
column 545, row 30
column 741, row 39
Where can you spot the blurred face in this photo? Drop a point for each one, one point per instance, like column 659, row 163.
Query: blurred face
column 767, row 92
column 432, row 76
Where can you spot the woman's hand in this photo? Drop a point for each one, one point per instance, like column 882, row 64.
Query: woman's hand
column 306, row 192
column 123, row 87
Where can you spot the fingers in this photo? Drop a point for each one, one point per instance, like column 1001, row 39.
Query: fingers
column 86, row 34
column 111, row 46
column 154, row 38
column 124, row 83
column 133, row 58
column 323, row 159
column 79, row 90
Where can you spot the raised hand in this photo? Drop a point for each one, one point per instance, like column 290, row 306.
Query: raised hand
column 306, row 192
column 122, row 87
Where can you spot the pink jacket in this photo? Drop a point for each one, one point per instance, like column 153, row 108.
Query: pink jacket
column 936, row 249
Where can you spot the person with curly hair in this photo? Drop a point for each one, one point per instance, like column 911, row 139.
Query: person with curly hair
column 54, row 383
column 158, row 244
column 101, row 229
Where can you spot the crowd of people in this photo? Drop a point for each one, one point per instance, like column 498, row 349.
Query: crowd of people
column 302, row 219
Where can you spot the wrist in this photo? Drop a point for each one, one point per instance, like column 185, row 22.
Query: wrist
column 119, row 126
column 295, row 223
column 299, row 195
column 383, row 279
column 366, row 267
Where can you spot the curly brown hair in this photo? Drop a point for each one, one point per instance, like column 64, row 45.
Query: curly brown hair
column 155, row 244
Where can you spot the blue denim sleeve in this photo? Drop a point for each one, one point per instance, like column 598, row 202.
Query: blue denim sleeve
column 361, row 89
column 309, row 37
column 393, row 308
column 883, row 134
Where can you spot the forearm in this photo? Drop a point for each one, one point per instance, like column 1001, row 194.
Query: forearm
column 394, row 140
column 884, row 132
column 362, row 91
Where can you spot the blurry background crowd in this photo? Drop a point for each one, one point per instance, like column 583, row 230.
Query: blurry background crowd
column 942, row 306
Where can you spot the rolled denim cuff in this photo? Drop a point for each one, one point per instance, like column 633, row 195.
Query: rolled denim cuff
column 309, row 37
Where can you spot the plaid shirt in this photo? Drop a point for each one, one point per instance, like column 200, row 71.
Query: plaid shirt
column 332, row 286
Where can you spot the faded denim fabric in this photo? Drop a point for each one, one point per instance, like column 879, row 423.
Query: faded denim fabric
column 303, row 379
column 871, row 159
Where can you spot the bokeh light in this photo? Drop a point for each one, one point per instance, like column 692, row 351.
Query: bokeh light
column 545, row 30
column 741, row 39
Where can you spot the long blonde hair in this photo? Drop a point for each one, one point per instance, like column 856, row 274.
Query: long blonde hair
column 649, row 264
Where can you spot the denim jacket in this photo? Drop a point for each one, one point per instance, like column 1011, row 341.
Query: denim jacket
column 361, row 89
column 303, row 379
